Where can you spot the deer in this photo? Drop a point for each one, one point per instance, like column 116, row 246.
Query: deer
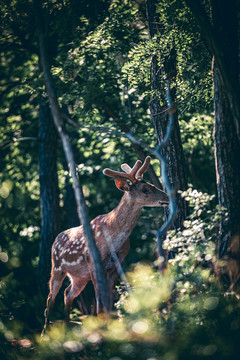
column 70, row 256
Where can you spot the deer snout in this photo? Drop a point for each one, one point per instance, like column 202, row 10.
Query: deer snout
column 163, row 201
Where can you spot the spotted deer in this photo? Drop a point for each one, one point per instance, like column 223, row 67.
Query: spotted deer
column 70, row 255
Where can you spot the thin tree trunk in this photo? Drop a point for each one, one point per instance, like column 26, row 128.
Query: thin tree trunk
column 173, row 151
column 70, row 206
column 87, row 301
column 227, row 150
column 226, row 140
column 49, row 192
column 95, row 259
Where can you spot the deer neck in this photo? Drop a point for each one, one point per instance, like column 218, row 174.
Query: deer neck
column 123, row 218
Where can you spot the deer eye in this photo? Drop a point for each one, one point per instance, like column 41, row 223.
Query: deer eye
column 145, row 191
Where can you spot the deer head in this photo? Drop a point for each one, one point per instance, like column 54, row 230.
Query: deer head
column 131, row 182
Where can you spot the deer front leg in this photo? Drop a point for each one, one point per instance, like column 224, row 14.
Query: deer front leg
column 95, row 288
column 115, row 271
column 99, row 308
column 112, row 276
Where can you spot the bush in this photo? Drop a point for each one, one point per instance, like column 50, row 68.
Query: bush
column 185, row 313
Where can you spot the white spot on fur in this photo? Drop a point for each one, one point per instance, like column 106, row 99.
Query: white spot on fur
column 99, row 233
column 58, row 269
column 72, row 263
column 63, row 251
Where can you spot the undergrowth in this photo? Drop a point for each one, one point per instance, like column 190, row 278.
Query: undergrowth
column 185, row 313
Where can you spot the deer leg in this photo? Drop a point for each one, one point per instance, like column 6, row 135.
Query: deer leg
column 112, row 276
column 72, row 291
column 55, row 283
column 114, row 272
column 111, row 279
column 94, row 282
column 96, row 295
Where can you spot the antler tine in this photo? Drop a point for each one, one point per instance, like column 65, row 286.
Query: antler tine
column 130, row 175
column 136, row 167
column 126, row 168
column 113, row 173
column 141, row 171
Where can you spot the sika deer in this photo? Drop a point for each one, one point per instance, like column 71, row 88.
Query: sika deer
column 70, row 256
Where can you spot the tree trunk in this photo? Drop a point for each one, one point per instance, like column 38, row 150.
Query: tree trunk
column 226, row 139
column 49, row 193
column 95, row 263
column 227, row 150
column 221, row 36
column 173, row 151
column 70, row 206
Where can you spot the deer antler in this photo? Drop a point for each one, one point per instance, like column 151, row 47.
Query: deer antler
column 141, row 171
column 144, row 167
column 133, row 174
column 130, row 175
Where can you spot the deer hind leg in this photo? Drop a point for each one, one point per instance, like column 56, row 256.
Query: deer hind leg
column 55, row 283
column 72, row 291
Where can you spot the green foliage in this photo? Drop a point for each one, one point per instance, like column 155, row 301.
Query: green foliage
column 197, row 137
column 195, row 245
column 104, row 80
column 193, row 79
column 181, row 314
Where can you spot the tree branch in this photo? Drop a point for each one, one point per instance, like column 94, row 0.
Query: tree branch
column 7, row 143
column 170, row 191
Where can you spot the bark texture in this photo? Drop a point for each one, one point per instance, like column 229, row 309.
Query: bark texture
column 221, row 36
column 173, row 150
column 227, row 150
column 226, row 137
column 49, row 192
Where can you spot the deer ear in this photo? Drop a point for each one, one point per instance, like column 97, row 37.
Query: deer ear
column 122, row 184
